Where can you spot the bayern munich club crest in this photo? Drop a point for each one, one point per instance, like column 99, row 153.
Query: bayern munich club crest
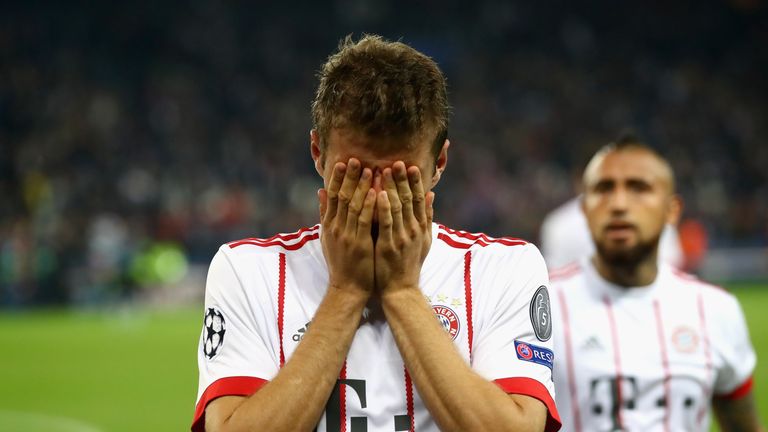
column 214, row 328
column 448, row 319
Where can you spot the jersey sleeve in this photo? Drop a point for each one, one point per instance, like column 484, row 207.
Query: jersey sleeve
column 514, row 345
column 737, row 356
column 234, row 353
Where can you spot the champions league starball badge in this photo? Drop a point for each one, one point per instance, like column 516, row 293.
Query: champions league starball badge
column 214, row 328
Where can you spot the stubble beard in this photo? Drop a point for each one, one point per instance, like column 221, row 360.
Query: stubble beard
column 628, row 258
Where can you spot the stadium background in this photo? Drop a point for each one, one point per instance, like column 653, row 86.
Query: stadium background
column 136, row 138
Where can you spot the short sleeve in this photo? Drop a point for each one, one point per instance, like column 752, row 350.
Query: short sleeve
column 234, row 353
column 514, row 347
column 737, row 356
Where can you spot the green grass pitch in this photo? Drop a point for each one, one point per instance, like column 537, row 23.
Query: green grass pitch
column 128, row 370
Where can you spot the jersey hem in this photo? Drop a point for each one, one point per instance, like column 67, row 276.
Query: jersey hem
column 228, row 386
column 740, row 391
column 535, row 389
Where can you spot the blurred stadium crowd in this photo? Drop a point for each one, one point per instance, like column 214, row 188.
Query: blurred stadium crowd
column 136, row 138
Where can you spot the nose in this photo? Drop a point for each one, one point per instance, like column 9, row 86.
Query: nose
column 619, row 200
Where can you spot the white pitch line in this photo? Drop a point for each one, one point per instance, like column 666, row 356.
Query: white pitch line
column 45, row 422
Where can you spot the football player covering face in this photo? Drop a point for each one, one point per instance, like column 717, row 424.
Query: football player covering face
column 629, row 195
column 374, row 198
column 380, row 117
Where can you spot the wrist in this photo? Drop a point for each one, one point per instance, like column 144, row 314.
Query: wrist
column 401, row 292
column 353, row 293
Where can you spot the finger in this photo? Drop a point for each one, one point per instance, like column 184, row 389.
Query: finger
column 359, row 196
column 417, row 189
column 377, row 181
column 385, row 217
column 347, row 191
column 430, row 200
column 322, row 199
column 400, row 175
column 395, row 205
column 365, row 220
column 332, row 193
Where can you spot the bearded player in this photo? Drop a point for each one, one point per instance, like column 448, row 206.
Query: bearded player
column 644, row 347
column 377, row 319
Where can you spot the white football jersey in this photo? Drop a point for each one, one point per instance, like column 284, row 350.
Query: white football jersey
column 565, row 238
column 645, row 358
column 489, row 294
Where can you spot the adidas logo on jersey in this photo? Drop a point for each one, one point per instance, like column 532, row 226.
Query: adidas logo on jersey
column 299, row 335
column 592, row 344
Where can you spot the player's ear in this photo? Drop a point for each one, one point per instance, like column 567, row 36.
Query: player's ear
column 316, row 151
column 440, row 163
column 675, row 209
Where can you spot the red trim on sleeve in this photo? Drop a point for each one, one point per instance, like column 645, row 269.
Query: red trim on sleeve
column 229, row 386
column 535, row 389
column 740, row 391
column 468, row 299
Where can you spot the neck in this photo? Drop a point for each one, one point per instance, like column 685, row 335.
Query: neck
column 637, row 274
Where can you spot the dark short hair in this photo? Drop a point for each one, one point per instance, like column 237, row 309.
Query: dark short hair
column 381, row 88
column 628, row 140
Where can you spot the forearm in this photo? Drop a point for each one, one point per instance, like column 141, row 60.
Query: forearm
column 458, row 398
column 737, row 415
column 294, row 400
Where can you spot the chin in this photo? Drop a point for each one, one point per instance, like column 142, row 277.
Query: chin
column 626, row 256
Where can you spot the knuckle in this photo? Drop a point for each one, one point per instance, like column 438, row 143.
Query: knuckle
column 344, row 197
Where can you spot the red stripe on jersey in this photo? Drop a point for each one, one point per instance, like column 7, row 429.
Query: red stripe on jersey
column 285, row 237
column 284, row 245
column 281, row 306
column 468, row 300
column 453, row 243
column 740, row 391
column 409, row 399
column 343, row 397
column 707, row 354
column 564, row 272
column 616, row 357
column 479, row 236
column 664, row 363
column 569, row 362
column 535, row 389
column 467, row 240
column 229, row 386
column 691, row 278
